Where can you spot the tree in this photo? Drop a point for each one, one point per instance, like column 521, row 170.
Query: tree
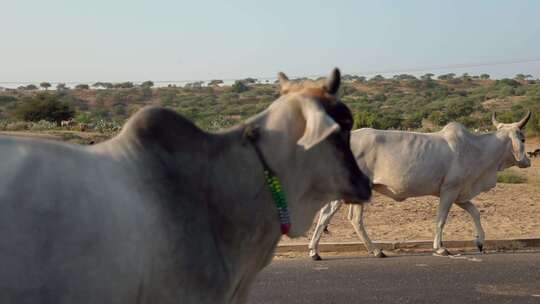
column 412, row 120
column 196, row 85
column 427, row 76
column 43, row 106
column 124, row 85
column 97, row 84
column 45, row 85
column 448, row 76
column 376, row 78
column 438, row 118
column 147, row 84
column 360, row 79
column 403, row 77
column 239, row 87
column 364, row 119
column 466, row 77
column 522, row 77
column 30, row 87
column 484, row 76
column 82, row 86
column 215, row 82
column 249, row 80
column 61, row 87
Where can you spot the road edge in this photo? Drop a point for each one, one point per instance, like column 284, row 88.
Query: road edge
column 413, row 246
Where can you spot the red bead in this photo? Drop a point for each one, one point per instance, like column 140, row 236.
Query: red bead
column 285, row 228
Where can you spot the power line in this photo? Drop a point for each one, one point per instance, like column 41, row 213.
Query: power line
column 454, row 66
column 369, row 72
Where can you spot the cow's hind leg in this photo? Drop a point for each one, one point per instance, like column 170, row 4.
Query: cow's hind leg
column 325, row 215
column 357, row 220
column 446, row 201
column 480, row 235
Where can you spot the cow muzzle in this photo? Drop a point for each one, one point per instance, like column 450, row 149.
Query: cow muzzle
column 524, row 163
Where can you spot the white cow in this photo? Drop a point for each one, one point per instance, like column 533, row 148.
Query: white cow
column 453, row 164
column 165, row 212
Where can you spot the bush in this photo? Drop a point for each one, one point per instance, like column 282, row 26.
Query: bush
column 510, row 178
column 43, row 107
column 42, row 125
column 16, row 126
column 7, row 99
column 239, row 87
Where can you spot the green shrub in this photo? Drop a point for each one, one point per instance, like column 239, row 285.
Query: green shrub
column 510, row 178
column 16, row 126
column 43, row 107
column 42, row 125
column 239, row 87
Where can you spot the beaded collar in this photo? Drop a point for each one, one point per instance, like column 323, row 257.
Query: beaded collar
column 251, row 133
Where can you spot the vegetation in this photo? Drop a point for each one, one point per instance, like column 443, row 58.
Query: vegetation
column 402, row 102
column 45, row 85
column 509, row 177
column 43, row 106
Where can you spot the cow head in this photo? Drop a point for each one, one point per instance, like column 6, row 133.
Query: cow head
column 312, row 155
column 513, row 131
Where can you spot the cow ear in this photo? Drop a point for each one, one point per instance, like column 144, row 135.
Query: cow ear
column 319, row 125
column 517, row 149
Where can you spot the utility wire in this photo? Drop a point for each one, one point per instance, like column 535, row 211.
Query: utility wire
column 371, row 72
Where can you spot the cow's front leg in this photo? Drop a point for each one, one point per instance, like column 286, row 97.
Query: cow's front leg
column 446, row 201
column 325, row 215
column 357, row 220
column 480, row 235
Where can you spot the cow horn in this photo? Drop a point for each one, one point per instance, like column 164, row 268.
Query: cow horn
column 494, row 120
column 524, row 121
column 333, row 81
column 282, row 78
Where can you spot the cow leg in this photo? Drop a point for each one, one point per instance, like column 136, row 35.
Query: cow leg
column 357, row 220
column 446, row 201
column 326, row 213
column 480, row 235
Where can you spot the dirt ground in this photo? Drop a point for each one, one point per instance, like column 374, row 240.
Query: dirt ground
column 507, row 211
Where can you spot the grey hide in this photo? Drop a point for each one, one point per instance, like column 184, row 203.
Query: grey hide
column 453, row 164
column 165, row 212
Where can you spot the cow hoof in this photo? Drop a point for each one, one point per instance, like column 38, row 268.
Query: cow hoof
column 480, row 248
column 378, row 253
column 442, row 252
column 316, row 257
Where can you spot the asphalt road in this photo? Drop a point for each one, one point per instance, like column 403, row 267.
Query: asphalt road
column 489, row 278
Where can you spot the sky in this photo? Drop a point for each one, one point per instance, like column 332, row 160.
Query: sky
column 161, row 40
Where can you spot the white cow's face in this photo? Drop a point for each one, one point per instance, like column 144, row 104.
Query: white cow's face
column 517, row 139
column 513, row 131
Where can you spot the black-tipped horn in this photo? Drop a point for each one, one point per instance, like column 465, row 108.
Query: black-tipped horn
column 524, row 121
column 333, row 81
column 494, row 120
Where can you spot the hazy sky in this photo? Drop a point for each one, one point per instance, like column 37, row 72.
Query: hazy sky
column 117, row 40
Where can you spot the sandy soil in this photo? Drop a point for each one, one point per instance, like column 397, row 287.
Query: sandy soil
column 507, row 211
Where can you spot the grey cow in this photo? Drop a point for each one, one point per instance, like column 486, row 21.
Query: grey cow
column 165, row 212
column 453, row 164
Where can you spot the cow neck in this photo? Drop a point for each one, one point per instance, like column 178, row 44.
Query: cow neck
column 251, row 134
